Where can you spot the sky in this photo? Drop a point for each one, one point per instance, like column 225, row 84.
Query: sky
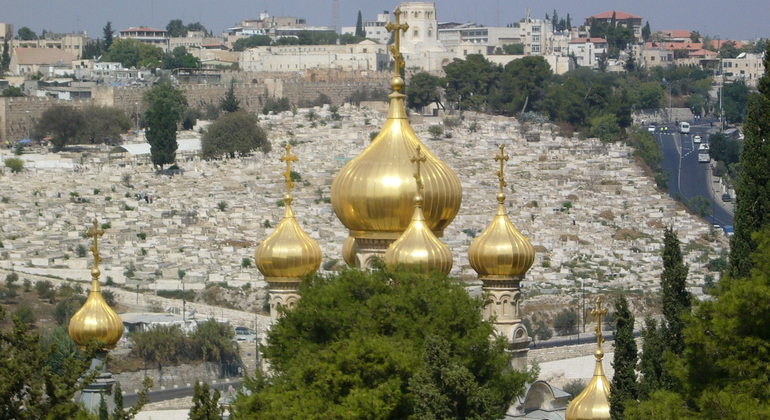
column 725, row 19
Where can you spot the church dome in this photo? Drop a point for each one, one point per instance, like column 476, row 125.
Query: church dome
column 594, row 402
column 349, row 250
column 373, row 193
column 288, row 254
column 95, row 320
column 501, row 250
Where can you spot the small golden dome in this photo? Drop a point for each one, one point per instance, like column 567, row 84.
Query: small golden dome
column 594, row 402
column 372, row 194
column 418, row 247
column 349, row 251
column 288, row 254
column 501, row 251
column 95, row 320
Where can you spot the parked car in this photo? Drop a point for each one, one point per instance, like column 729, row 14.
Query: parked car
column 651, row 128
column 726, row 198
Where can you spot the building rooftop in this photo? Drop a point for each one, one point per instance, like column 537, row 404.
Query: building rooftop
column 618, row 15
column 587, row 40
column 42, row 56
column 142, row 29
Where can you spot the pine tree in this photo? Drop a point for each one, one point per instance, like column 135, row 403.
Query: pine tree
column 569, row 23
column 651, row 360
column 205, row 404
column 6, row 60
column 676, row 298
column 555, row 19
column 752, row 212
column 360, row 26
column 646, row 32
column 118, row 400
column 165, row 109
column 624, row 386
column 103, row 414
column 230, row 102
column 108, row 34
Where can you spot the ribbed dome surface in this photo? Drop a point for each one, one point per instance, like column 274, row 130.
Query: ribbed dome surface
column 419, row 248
column 288, row 253
column 593, row 403
column 95, row 320
column 501, row 250
column 373, row 193
column 349, row 249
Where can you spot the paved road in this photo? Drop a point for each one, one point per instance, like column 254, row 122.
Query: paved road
column 689, row 178
column 172, row 393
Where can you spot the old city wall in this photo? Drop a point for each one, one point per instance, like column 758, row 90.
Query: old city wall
column 18, row 115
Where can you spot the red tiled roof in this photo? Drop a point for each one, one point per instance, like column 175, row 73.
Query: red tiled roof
column 43, row 56
column 677, row 33
column 703, row 53
column 587, row 40
column 719, row 43
column 143, row 29
column 689, row 46
column 618, row 15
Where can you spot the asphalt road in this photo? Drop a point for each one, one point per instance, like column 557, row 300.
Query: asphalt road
column 171, row 393
column 689, row 178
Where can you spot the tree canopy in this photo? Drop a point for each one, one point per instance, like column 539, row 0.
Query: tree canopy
column 251, row 42
column 26, row 34
column 165, row 109
column 422, row 90
column 383, row 345
column 234, row 132
column 180, row 58
column 133, row 53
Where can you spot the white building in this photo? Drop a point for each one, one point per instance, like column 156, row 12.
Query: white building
column 152, row 36
column 492, row 37
column 587, row 51
column 374, row 29
column 746, row 67
column 364, row 56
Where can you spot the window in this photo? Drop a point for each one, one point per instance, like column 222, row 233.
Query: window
column 536, row 29
column 535, row 48
column 536, row 38
column 416, row 33
column 430, row 33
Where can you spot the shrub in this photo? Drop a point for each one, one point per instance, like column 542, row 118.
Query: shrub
column 436, row 131
column 246, row 263
column 222, row 206
column 566, row 322
column 81, row 251
column 16, row 165
column 235, row 132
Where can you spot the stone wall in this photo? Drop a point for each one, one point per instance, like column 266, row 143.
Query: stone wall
column 18, row 115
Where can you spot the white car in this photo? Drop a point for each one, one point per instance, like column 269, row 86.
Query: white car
column 703, row 146
column 696, row 139
column 651, row 129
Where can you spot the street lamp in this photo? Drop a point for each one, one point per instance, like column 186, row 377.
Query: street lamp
column 668, row 85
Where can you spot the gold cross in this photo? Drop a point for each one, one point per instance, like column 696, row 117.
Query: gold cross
column 95, row 232
column 418, row 159
column 599, row 312
column 395, row 49
column 288, row 158
column 502, row 158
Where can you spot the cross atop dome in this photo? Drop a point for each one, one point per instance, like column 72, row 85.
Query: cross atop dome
column 395, row 49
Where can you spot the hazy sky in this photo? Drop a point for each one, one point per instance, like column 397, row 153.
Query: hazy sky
column 737, row 19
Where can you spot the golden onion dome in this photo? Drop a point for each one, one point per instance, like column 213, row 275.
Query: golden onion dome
column 95, row 320
column 594, row 402
column 349, row 251
column 288, row 254
column 372, row 194
column 418, row 247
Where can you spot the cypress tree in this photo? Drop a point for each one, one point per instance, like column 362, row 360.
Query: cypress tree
column 6, row 60
column 108, row 33
column 360, row 26
column 569, row 22
column 651, row 360
column 230, row 103
column 752, row 190
column 624, row 385
column 166, row 106
column 676, row 298
column 205, row 404
column 103, row 414
column 646, row 31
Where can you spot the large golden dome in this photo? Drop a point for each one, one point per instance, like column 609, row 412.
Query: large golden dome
column 418, row 247
column 373, row 193
column 288, row 253
column 501, row 251
column 95, row 320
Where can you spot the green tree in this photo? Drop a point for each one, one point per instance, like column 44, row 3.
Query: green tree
column 190, row 118
column 205, row 403
column 176, row 28
column 724, row 148
column 16, row 165
column 624, row 385
column 251, row 42
column 134, row 53
column 513, row 49
column 360, row 26
column 92, row 49
column 605, row 127
column 180, row 58
column 26, row 34
column 735, row 98
column 676, row 299
column 12, row 92
column 728, row 50
column 234, row 132
column 522, row 85
column 651, row 359
column 379, row 345
column 165, row 109
column 752, row 212
column 470, row 82
column 6, row 59
column 197, row 27
column 102, row 125
column 422, row 90
column 108, row 35
column 565, row 322
column 646, row 31
column 214, row 340
column 62, row 123
column 230, row 102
